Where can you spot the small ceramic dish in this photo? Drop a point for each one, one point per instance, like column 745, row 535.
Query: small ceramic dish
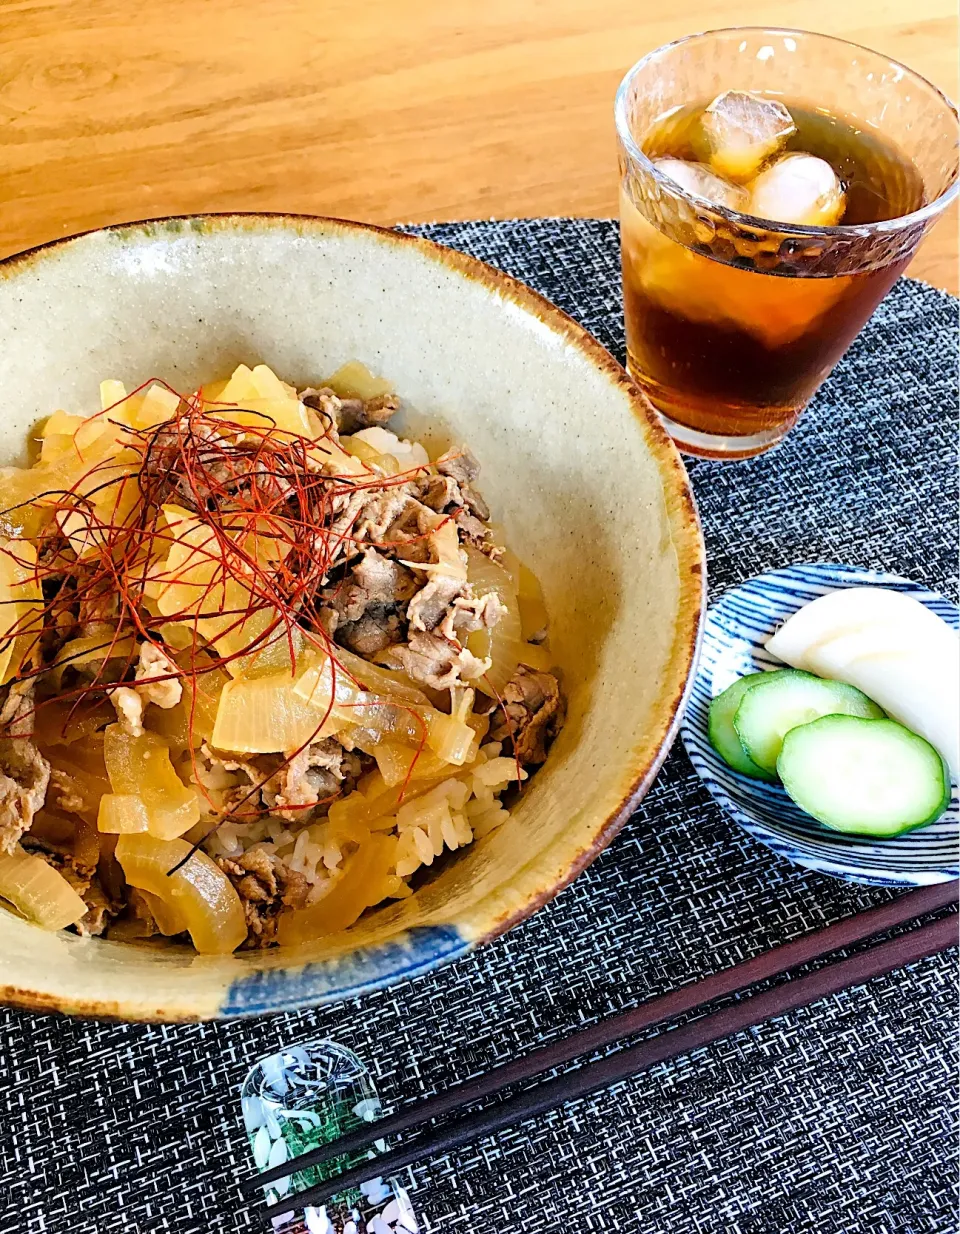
column 736, row 629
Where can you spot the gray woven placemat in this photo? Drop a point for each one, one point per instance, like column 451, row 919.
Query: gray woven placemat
column 838, row 1119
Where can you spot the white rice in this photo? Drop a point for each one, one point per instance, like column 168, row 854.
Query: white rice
column 449, row 816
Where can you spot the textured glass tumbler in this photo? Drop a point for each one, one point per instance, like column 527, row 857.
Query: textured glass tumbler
column 732, row 322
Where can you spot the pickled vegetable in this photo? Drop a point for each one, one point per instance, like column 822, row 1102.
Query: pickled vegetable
column 199, row 891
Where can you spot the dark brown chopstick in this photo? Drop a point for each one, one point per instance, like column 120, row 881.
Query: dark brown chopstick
column 772, row 963
column 874, row 962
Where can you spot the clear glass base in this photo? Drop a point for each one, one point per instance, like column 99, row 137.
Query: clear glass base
column 769, row 425
column 711, row 445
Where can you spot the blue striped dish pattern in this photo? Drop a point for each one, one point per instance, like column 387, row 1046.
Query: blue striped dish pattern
column 733, row 645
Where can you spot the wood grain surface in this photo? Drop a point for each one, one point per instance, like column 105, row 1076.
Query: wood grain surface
column 383, row 110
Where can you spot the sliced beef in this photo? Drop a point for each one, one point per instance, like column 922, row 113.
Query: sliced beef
column 428, row 607
column 459, row 464
column 347, row 415
column 98, row 611
column 531, row 715
column 298, row 789
column 466, row 614
column 139, row 921
column 316, row 775
column 365, row 413
column 217, row 473
column 376, row 630
column 18, row 710
column 383, row 580
column 365, row 609
column 101, row 910
column 476, row 533
column 435, row 661
column 265, row 885
column 474, row 502
column 345, row 510
column 439, row 493
column 157, row 677
column 24, row 772
column 387, row 516
column 374, row 580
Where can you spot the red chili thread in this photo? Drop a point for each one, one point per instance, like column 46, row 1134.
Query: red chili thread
column 243, row 484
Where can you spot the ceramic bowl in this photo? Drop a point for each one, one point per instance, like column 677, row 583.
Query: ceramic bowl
column 733, row 645
column 575, row 466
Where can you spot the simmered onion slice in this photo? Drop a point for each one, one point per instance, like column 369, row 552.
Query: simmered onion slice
column 200, row 893
column 38, row 891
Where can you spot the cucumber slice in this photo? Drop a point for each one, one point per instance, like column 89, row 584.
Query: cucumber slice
column 769, row 710
column 864, row 777
column 722, row 734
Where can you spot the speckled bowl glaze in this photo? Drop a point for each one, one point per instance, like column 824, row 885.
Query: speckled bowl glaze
column 575, row 466
column 736, row 629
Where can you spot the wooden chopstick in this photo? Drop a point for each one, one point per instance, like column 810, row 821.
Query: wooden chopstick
column 907, row 948
column 738, row 977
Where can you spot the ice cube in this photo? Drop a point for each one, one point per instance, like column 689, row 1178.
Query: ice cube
column 743, row 131
column 699, row 179
column 799, row 188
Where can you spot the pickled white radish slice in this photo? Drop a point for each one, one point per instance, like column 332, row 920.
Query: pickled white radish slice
column 850, row 610
column 890, row 646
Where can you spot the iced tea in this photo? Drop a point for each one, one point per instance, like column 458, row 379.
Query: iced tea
column 758, row 234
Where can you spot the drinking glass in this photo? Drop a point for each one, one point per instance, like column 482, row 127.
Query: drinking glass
column 732, row 321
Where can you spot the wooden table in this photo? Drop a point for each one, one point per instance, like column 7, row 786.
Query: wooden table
column 384, row 110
